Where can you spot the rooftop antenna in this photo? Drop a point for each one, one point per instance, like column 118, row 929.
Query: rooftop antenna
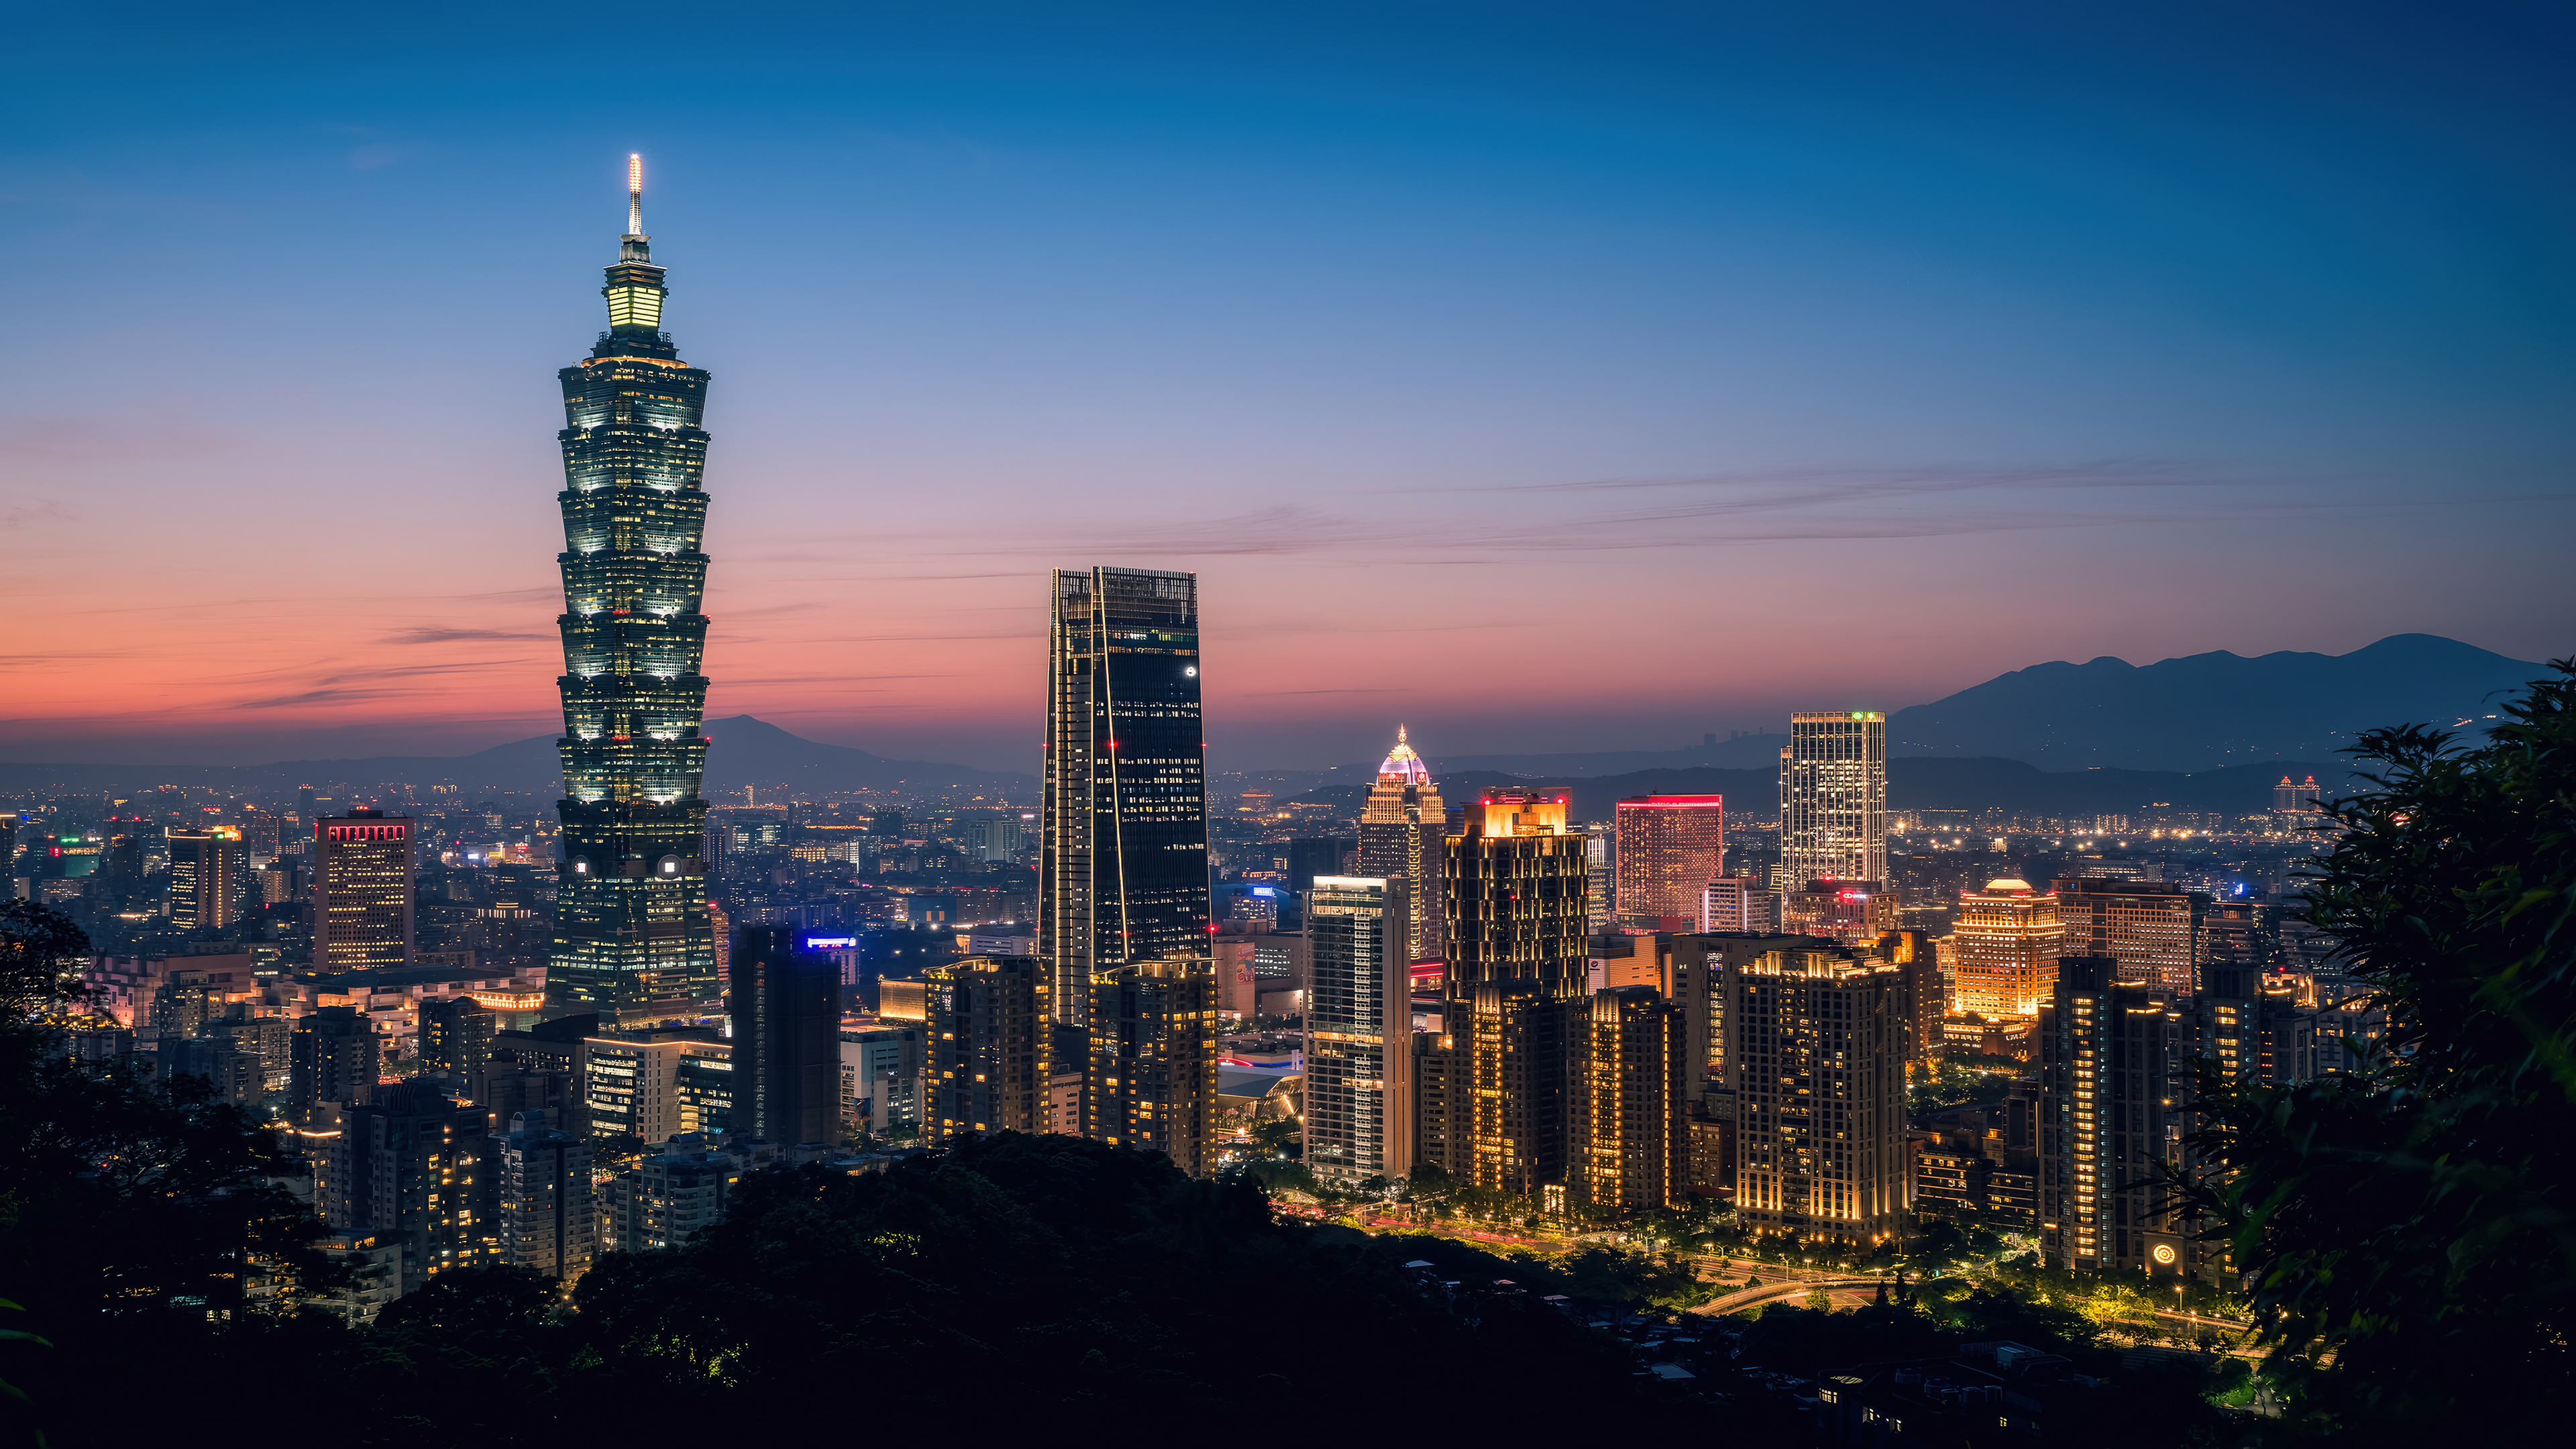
column 634, row 194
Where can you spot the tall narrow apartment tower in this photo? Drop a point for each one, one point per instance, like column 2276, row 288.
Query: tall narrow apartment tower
column 1402, row 825
column 633, row 941
column 1833, row 798
column 1123, row 860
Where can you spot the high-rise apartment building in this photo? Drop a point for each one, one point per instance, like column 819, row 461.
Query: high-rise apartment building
column 1402, row 825
column 1515, row 894
column 545, row 1213
column 986, row 1037
column 1601, row 873
column 785, row 1004
column 412, row 1165
column 2298, row 799
column 881, row 1077
column 1632, row 1144
column 1123, row 865
column 1669, row 848
column 1513, row 1087
column 363, row 864
column 1739, row 903
column 1152, row 1083
column 2005, row 942
column 205, row 878
column 633, row 942
column 1816, row 1057
column 669, row 1197
column 1927, row 999
column 1833, row 797
column 2110, row 1130
column 456, row 1035
column 1359, row 1029
column 332, row 1058
column 2150, row 928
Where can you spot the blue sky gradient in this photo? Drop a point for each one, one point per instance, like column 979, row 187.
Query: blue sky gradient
column 1572, row 377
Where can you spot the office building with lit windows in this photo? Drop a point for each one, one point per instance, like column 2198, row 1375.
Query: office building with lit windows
column 1816, row 1057
column 633, row 941
column 654, row 1085
column 1669, row 847
column 1631, row 1112
column 2110, row 1130
column 1122, row 850
column 1152, row 1084
column 205, row 878
column 363, row 865
column 1515, row 893
column 2150, row 928
column 1514, row 1084
column 2004, row 942
column 986, row 1037
column 1402, row 825
column 1359, row 1029
column 1833, row 798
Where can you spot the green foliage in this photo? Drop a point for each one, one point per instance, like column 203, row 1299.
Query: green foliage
column 41, row 955
column 134, row 1217
column 1636, row 1280
column 1278, row 1136
column 1956, row 1083
column 2409, row 1228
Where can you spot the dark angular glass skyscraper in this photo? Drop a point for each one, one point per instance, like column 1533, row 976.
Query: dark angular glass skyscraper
column 1123, row 864
column 632, row 937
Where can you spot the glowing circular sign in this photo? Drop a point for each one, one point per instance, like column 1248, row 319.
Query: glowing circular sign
column 2164, row 1254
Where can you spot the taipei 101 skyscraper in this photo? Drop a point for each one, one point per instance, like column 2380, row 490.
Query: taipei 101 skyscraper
column 633, row 940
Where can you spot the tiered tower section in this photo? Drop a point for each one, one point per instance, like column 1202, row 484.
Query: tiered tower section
column 633, row 939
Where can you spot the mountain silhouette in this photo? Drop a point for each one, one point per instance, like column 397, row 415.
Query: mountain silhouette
column 2207, row 711
column 746, row 751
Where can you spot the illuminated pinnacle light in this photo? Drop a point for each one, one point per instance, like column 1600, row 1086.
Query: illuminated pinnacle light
column 634, row 195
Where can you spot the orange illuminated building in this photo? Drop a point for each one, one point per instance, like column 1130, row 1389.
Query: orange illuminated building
column 2005, row 943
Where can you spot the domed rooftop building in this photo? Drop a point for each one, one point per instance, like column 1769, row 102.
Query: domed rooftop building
column 1402, row 766
column 1402, row 828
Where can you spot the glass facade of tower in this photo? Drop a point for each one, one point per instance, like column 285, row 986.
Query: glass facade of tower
column 633, row 940
column 1123, row 863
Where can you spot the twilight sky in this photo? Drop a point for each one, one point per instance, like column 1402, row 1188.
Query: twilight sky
column 1548, row 377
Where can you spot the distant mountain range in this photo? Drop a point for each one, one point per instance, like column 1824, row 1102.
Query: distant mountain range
column 2191, row 716
column 747, row 751
column 1919, row 784
column 2199, row 712
column 2205, row 711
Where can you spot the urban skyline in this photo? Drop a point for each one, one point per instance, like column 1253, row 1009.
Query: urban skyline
column 1910, row 1077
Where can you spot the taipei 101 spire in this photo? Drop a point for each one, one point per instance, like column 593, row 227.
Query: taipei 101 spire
column 633, row 938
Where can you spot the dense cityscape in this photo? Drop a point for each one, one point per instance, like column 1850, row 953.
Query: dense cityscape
column 1809, row 1086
